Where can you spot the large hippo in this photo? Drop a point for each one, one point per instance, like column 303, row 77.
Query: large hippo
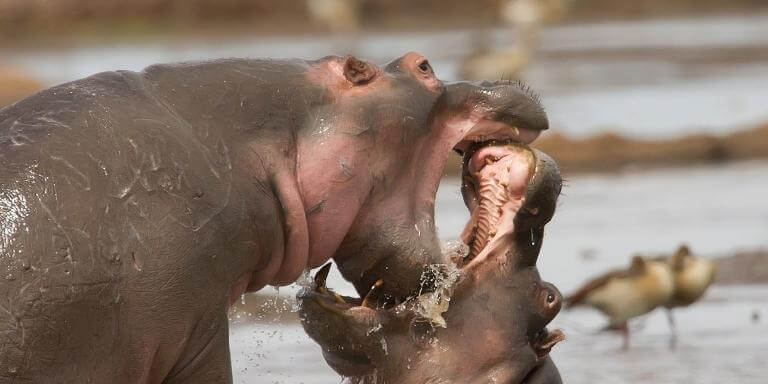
column 485, row 321
column 136, row 206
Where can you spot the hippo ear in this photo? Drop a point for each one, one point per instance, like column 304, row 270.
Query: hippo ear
column 358, row 72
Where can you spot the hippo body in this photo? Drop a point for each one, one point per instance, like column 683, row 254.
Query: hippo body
column 114, row 201
column 136, row 206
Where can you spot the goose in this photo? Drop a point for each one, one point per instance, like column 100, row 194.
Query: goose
column 623, row 294
column 692, row 276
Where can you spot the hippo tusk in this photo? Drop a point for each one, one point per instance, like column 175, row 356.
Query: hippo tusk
column 372, row 294
column 322, row 275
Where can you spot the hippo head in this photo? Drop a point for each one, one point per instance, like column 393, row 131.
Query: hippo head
column 388, row 134
column 484, row 317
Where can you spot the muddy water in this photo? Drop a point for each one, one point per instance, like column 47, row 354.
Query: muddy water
column 600, row 222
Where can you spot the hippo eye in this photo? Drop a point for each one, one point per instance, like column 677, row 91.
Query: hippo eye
column 550, row 297
column 425, row 67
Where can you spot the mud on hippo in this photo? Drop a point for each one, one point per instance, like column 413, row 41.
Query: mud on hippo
column 136, row 206
column 480, row 320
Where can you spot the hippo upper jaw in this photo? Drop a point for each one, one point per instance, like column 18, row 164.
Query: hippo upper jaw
column 502, row 111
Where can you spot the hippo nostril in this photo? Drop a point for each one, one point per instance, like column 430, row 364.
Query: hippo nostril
column 551, row 300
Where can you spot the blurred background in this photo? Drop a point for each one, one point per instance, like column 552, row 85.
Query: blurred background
column 659, row 119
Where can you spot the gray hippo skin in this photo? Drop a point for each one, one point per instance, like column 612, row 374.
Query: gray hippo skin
column 485, row 324
column 136, row 206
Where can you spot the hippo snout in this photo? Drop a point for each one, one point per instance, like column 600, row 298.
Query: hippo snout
column 512, row 103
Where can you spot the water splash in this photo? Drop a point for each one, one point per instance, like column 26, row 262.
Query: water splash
column 432, row 305
column 455, row 250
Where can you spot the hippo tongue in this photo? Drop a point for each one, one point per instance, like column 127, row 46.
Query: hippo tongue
column 496, row 178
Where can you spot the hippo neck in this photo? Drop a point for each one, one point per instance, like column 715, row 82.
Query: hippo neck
column 334, row 182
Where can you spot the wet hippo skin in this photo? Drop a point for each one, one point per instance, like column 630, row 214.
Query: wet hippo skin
column 136, row 206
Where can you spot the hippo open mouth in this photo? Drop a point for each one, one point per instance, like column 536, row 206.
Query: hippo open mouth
column 478, row 121
column 495, row 178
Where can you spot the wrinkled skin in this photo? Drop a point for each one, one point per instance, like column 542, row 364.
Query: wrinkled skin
column 495, row 325
column 136, row 206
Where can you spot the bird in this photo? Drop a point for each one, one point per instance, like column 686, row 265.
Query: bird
column 692, row 276
column 623, row 294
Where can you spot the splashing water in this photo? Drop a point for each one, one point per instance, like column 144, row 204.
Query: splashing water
column 305, row 280
column 455, row 250
column 432, row 305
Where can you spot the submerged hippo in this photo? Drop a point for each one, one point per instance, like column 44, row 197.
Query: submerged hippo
column 493, row 330
column 136, row 206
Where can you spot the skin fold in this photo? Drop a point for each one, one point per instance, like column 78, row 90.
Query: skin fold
column 493, row 327
column 136, row 206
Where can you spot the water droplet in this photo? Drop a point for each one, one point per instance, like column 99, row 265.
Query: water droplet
column 10, row 277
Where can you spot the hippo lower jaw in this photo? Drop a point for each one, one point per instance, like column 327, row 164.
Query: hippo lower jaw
column 364, row 338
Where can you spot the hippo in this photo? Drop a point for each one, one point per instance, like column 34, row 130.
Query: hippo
column 135, row 207
column 485, row 320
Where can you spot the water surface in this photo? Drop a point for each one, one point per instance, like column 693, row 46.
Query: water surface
column 600, row 222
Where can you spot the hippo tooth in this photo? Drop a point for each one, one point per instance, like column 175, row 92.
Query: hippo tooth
column 372, row 294
column 321, row 276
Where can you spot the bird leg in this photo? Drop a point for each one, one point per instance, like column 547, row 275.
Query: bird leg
column 673, row 329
